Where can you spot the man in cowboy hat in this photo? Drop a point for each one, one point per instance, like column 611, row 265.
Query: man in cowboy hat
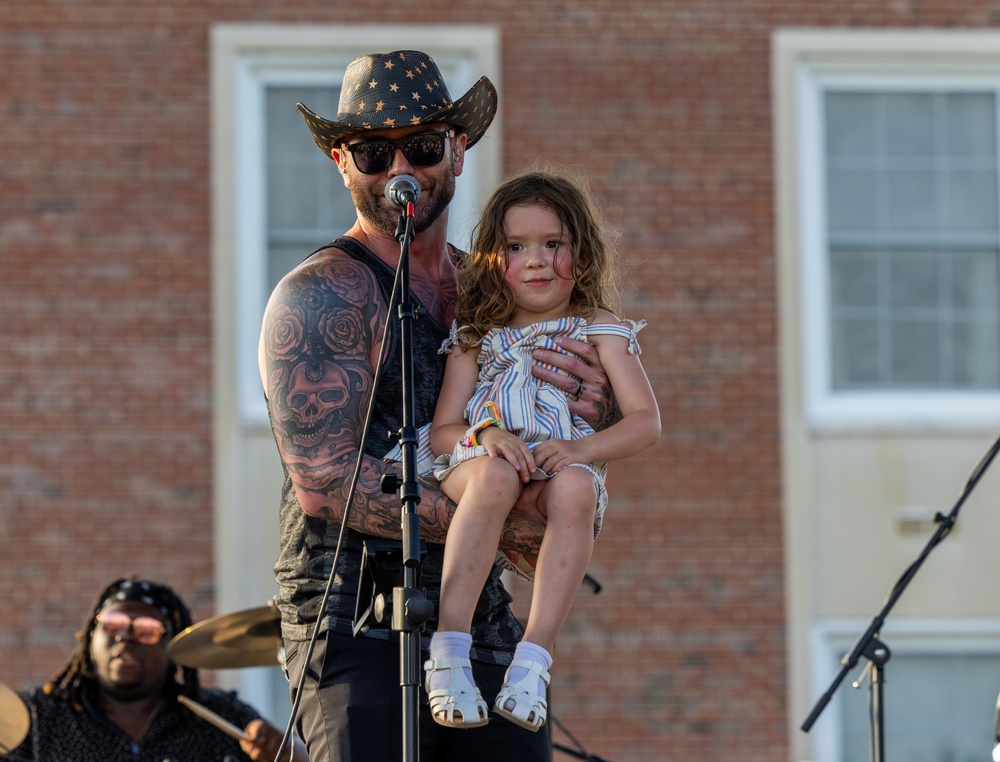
column 321, row 341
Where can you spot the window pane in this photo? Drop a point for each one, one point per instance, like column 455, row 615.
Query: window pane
column 855, row 353
column 909, row 125
column 915, row 320
column 912, row 199
column 976, row 355
column 914, row 227
column 850, row 125
column 972, row 195
column 854, row 277
column 307, row 203
column 972, row 126
column 856, row 284
column 853, row 199
column 914, row 353
column 913, row 280
column 974, row 286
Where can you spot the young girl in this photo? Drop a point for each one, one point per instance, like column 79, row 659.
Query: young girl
column 539, row 268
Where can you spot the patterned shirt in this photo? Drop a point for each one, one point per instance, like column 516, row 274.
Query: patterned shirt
column 61, row 733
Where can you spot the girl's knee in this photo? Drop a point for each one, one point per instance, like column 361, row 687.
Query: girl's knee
column 573, row 493
column 493, row 478
column 576, row 479
column 497, row 474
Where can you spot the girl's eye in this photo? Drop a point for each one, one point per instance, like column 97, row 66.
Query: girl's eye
column 552, row 245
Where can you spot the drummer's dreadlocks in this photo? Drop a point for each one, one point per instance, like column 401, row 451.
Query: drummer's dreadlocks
column 77, row 681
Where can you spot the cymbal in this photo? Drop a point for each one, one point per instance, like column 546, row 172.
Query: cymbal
column 250, row 638
column 14, row 722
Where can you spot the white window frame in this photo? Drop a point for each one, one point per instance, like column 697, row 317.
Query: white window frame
column 807, row 63
column 245, row 59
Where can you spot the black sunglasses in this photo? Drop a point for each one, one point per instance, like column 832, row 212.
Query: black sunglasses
column 425, row 149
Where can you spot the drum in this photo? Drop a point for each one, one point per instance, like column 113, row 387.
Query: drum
column 14, row 720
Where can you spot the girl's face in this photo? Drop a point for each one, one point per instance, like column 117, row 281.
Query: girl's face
column 539, row 264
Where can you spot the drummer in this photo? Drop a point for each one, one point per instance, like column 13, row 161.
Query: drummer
column 117, row 697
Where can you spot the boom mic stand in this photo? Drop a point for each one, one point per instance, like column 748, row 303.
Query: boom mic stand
column 869, row 644
column 410, row 608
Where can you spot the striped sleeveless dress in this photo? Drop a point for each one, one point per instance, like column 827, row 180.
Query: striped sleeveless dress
column 529, row 407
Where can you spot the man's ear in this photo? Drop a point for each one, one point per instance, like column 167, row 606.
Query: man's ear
column 458, row 152
column 340, row 157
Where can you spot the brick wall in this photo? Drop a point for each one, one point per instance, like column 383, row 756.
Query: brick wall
column 105, row 387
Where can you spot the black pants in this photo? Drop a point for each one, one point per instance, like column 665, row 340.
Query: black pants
column 351, row 709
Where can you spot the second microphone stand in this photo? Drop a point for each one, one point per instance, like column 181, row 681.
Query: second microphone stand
column 870, row 647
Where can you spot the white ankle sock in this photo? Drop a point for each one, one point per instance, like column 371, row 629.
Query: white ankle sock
column 530, row 652
column 449, row 645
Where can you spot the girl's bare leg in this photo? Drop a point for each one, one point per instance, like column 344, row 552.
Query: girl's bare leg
column 485, row 490
column 569, row 500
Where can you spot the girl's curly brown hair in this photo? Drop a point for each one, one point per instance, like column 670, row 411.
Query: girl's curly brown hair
column 484, row 301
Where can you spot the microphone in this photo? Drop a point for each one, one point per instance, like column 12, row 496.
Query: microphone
column 401, row 190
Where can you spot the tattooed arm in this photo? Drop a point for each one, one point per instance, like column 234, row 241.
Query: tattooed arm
column 319, row 347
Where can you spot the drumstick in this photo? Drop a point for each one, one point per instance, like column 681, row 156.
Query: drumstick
column 209, row 716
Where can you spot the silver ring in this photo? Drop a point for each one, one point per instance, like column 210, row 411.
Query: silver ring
column 579, row 389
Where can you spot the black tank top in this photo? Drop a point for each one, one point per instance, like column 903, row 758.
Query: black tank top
column 428, row 366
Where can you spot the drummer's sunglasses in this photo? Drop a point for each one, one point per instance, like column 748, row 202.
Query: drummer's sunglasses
column 147, row 630
column 424, row 149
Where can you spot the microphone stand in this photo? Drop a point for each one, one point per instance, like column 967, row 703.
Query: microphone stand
column 410, row 608
column 869, row 644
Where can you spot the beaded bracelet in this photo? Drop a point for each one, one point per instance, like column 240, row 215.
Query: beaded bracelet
column 493, row 420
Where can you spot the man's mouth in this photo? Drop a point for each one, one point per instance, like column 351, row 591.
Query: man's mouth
column 125, row 656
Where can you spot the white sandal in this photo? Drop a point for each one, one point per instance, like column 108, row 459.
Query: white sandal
column 530, row 708
column 461, row 696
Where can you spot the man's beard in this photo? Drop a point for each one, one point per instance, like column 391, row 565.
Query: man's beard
column 384, row 219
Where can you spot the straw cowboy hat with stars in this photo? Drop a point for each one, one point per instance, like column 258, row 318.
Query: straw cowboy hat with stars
column 401, row 89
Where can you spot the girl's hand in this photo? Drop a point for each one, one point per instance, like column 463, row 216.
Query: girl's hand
column 553, row 454
column 500, row 443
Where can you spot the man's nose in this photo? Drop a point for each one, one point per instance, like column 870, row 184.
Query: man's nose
column 400, row 165
column 126, row 633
